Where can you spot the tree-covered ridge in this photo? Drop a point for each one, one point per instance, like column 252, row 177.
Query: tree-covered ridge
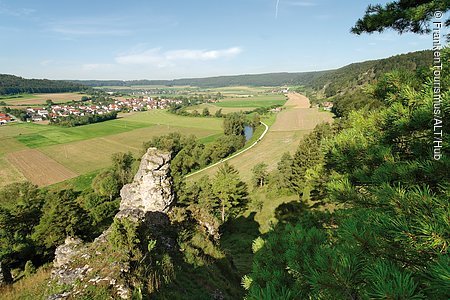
column 10, row 84
column 346, row 77
column 350, row 77
column 389, row 237
column 269, row 79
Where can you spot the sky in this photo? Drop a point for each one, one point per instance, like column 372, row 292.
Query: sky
column 147, row 39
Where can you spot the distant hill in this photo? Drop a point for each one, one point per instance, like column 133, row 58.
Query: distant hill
column 331, row 81
column 269, row 79
column 10, row 84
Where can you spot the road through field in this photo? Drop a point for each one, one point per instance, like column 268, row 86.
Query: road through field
column 234, row 155
column 291, row 124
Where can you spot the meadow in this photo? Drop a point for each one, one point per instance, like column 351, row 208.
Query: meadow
column 86, row 149
column 79, row 150
column 40, row 99
column 286, row 130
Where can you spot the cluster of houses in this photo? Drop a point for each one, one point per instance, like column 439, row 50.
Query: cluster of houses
column 5, row 118
column 89, row 108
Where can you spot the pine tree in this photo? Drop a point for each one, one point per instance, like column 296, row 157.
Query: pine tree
column 229, row 191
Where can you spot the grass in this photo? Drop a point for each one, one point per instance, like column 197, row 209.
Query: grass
column 39, row 99
column 265, row 100
column 286, row 130
column 37, row 136
column 88, row 148
column 249, row 103
column 54, row 135
column 79, row 184
column 18, row 96
column 213, row 108
column 28, row 288
column 89, row 155
column 9, row 173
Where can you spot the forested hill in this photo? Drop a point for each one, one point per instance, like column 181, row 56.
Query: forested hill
column 269, row 79
column 357, row 74
column 333, row 81
column 10, row 84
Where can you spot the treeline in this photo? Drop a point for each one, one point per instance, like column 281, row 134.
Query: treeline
column 190, row 155
column 333, row 81
column 354, row 75
column 386, row 236
column 10, row 84
column 73, row 120
column 269, row 79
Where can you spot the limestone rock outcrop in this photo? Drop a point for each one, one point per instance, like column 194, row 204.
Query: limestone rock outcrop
column 151, row 189
column 145, row 202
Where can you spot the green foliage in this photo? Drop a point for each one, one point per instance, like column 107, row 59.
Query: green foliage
column 307, row 156
column 402, row 16
column 10, row 84
column 124, row 237
column 257, row 244
column 172, row 142
column 218, row 113
column 260, row 175
column 106, row 184
column 62, row 217
column 73, row 120
column 354, row 77
column 390, row 238
column 233, row 124
column 205, row 112
column 29, row 268
column 20, row 211
column 123, row 167
column 229, row 191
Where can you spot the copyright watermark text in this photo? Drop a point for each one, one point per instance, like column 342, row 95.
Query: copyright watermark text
column 437, row 97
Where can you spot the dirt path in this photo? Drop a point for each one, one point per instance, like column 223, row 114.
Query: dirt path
column 234, row 155
column 292, row 123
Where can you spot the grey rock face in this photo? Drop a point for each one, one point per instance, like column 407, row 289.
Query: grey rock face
column 146, row 202
column 65, row 252
column 151, row 189
column 64, row 255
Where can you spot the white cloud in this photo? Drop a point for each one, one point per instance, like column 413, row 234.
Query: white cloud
column 160, row 58
column 202, row 54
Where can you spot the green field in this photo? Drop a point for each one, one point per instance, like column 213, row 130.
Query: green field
column 287, row 128
column 212, row 107
column 40, row 99
column 89, row 148
column 262, row 100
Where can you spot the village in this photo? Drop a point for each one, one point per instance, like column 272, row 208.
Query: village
column 90, row 107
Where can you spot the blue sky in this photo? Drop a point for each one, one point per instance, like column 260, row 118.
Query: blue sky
column 137, row 39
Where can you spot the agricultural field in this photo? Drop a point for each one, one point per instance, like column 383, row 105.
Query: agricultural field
column 39, row 168
column 213, row 108
column 86, row 149
column 284, row 135
column 55, row 153
column 39, row 99
column 232, row 104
